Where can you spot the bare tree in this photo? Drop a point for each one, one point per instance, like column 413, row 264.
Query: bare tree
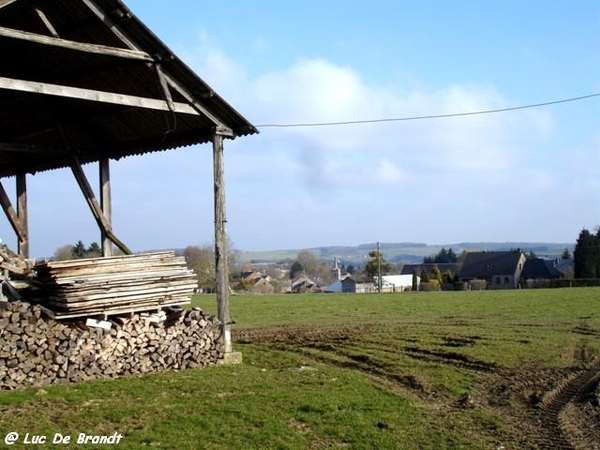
column 64, row 253
column 315, row 268
column 201, row 259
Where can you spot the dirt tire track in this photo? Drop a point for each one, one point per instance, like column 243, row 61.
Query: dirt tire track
column 559, row 425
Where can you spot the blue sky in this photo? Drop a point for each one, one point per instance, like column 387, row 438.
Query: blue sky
column 530, row 175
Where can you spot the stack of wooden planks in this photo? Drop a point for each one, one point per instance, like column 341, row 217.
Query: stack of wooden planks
column 113, row 285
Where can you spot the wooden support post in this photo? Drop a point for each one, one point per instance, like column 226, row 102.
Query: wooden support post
column 106, row 204
column 221, row 248
column 12, row 215
column 23, row 245
column 88, row 193
column 221, row 240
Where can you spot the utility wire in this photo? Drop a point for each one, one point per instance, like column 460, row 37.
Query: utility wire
column 432, row 116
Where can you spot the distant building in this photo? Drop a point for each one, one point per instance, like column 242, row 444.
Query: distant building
column 397, row 283
column 499, row 270
column 348, row 285
column 351, row 286
column 333, row 288
column 303, row 284
column 336, row 272
column 255, row 282
column 540, row 269
column 566, row 267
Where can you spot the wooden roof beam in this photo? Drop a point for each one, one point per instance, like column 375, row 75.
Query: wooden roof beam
column 161, row 75
column 25, row 148
column 4, row 3
column 97, row 96
column 47, row 22
column 225, row 130
column 74, row 45
column 109, row 23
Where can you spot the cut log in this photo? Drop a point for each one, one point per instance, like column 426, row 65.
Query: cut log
column 70, row 351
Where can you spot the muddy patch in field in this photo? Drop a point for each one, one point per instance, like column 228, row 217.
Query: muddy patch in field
column 459, row 341
column 296, row 335
column 446, row 357
column 372, row 368
column 585, row 330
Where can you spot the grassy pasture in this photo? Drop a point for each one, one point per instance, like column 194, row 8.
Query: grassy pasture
column 408, row 371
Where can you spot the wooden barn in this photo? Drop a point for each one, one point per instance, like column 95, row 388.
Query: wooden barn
column 85, row 81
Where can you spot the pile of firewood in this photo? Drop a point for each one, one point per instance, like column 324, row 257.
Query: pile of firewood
column 92, row 286
column 13, row 263
column 36, row 350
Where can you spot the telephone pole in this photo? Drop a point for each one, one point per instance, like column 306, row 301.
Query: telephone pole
column 378, row 268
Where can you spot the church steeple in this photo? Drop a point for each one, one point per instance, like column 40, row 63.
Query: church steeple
column 336, row 272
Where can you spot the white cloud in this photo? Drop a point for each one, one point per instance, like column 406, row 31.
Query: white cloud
column 315, row 91
column 389, row 172
column 481, row 161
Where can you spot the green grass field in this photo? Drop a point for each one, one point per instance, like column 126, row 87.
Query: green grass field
column 391, row 371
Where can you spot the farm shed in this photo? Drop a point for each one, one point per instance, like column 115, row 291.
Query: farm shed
column 85, row 81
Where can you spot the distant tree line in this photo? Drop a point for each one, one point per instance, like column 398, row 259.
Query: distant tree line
column 77, row 251
column 443, row 257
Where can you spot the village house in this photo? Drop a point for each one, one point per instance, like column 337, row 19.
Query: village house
column 540, row 273
column 352, row 286
column 256, row 282
column 302, row 284
column 347, row 283
column 499, row 270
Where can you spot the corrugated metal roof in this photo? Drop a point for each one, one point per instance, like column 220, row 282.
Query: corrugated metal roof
column 43, row 128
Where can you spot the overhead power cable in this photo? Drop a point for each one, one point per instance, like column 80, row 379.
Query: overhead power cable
column 431, row 116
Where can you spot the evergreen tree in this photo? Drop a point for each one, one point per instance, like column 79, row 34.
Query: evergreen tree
column 452, row 257
column 93, row 250
column 447, row 277
column 79, row 250
column 587, row 255
column 442, row 256
column 296, row 270
column 377, row 261
column 436, row 274
column 415, row 281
